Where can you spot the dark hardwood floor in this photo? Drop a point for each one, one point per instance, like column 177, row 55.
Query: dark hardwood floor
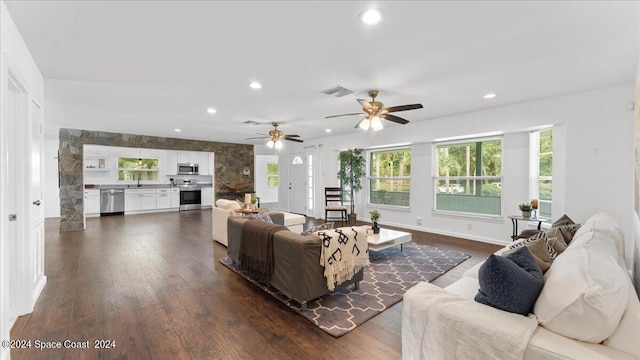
column 152, row 284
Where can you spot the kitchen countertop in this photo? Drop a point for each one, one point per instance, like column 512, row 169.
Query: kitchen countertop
column 144, row 186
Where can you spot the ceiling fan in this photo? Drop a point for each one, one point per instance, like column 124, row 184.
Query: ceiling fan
column 375, row 110
column 276, row 136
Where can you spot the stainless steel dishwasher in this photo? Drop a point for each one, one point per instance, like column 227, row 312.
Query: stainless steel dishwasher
column 111, row 202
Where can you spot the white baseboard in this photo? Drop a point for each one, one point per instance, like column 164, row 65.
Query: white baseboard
column 446, row 233
column 42, row 281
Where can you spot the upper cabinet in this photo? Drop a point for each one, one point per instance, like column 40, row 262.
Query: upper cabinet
column 183, row 157
column 171, row 167
column 203, row 163
column 203, row 159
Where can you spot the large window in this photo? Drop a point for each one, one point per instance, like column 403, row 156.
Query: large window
column 390, row 177
column 137, row 169
column 468, row 176
column 543, row 142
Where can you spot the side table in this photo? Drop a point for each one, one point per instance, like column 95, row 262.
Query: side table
column 514, row 222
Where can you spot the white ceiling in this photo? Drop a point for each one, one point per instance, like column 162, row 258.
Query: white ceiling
column 147, row 67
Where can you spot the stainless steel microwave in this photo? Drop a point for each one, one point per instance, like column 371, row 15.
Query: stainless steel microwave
column 187, row 169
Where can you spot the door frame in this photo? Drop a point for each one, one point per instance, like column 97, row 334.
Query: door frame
column 291, row 156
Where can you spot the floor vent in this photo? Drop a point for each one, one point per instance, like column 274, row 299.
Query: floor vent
column 338, row 91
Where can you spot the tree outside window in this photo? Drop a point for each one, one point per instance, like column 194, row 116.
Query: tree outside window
column 544, row 139
column 468, row 176
column 137, row 169
column 390, row 177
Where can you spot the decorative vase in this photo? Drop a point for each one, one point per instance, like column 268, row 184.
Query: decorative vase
column 526, row 214
column 375, row 228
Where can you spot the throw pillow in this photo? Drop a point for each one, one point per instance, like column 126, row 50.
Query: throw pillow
column 511, row 283
column 324, row 226
column 263, row 216
column 227, row 204
column 527, row 233
column 539, row 250
column 585, row 292
column 555, row 241
column 564, row 220
column 568, row 231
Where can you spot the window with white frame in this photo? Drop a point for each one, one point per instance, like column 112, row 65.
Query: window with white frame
column 137, row 169
column 390, row 176
column 272, row 174
column 468, row 176
column 542, row 156
column 310, row 182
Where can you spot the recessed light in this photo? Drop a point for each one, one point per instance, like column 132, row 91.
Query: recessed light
column 255, row 85
column 327, row 130
column 211, row 110
column 177, row 130
column 371, row 16
column 490, row 96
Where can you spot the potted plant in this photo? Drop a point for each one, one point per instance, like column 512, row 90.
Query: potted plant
column 254, row 200
column 375, row 216
column 526, row 210
column 352, row 170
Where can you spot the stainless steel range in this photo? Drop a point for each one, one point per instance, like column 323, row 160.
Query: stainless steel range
column 190, row 197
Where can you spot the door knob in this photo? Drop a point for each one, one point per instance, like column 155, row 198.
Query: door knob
column 37, row 203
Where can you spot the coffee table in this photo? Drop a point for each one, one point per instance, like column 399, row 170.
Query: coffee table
column 386, row 239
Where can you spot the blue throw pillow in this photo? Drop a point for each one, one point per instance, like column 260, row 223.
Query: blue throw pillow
column 511, row 283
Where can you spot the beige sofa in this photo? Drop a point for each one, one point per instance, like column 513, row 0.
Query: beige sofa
column 224, row 208
column 588, row 307
column 296, row 268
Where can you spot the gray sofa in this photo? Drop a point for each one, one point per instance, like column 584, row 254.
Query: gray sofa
column 296, row 262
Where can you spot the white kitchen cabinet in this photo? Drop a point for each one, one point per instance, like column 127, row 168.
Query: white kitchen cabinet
column 171, row 166
column 206, row 197
column 204, row 163
column 92, row 202
column 194, row 157
column 139, row 199
column 163, row 198
column 183, row 157
column 175, row 198
column 212, row 164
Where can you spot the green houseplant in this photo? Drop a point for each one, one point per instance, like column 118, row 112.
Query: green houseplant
column 375, row 216
column 352, row 170
column 526, row 209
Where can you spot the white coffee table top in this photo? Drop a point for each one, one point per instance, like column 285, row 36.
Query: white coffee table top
column 388, row 235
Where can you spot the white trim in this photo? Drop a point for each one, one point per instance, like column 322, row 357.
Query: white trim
column 497, row 219
column 446, row 233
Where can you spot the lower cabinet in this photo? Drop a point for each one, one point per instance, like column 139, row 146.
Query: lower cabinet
column 175, row 198
column 163, row 199
column 139, row 199
column 92, row 202
column 207, row 197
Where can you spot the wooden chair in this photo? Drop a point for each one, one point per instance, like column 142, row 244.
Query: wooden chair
column 333, row 203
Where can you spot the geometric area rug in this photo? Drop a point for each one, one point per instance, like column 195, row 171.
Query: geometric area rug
column 385, row 281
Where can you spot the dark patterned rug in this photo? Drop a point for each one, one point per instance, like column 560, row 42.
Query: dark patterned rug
column 385, row 281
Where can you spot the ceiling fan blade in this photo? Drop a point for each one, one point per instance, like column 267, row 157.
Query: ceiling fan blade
column 404, row 107
column 394, row 118
column 332, row 116
column 365, row 104
column 291, row 135
column 257, row 137
column 296, row 140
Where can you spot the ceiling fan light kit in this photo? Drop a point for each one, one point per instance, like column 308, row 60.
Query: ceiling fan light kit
column 276, row 136
column 375, row 111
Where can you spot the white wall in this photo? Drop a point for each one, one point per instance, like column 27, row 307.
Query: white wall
column 593, row 160
column 51, row 189
column 266, row 193
column 15, row 55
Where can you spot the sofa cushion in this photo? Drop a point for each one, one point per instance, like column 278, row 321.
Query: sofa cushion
column 323, row 226
column 585, row 291
column 263, row 216
column 511, row 283
column 227, row 204
column 567, row 227
column 606, row 224
column 625, row 337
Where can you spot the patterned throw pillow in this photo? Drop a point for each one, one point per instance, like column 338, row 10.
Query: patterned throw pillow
column 311, row 230
column 263, row 216
column 539, row 250
column 567, row 227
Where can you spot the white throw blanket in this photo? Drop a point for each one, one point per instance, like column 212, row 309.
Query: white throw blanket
column 437, row 324
column 344, row 253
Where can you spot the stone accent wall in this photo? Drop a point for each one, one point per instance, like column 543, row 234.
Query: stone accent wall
column 230, row 160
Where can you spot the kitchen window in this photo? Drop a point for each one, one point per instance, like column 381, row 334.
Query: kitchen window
column 390, row 177
column 468, row 176
column 137, row 169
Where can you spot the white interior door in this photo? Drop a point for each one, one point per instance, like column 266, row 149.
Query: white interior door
column 297, row 183
column 36, row 213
